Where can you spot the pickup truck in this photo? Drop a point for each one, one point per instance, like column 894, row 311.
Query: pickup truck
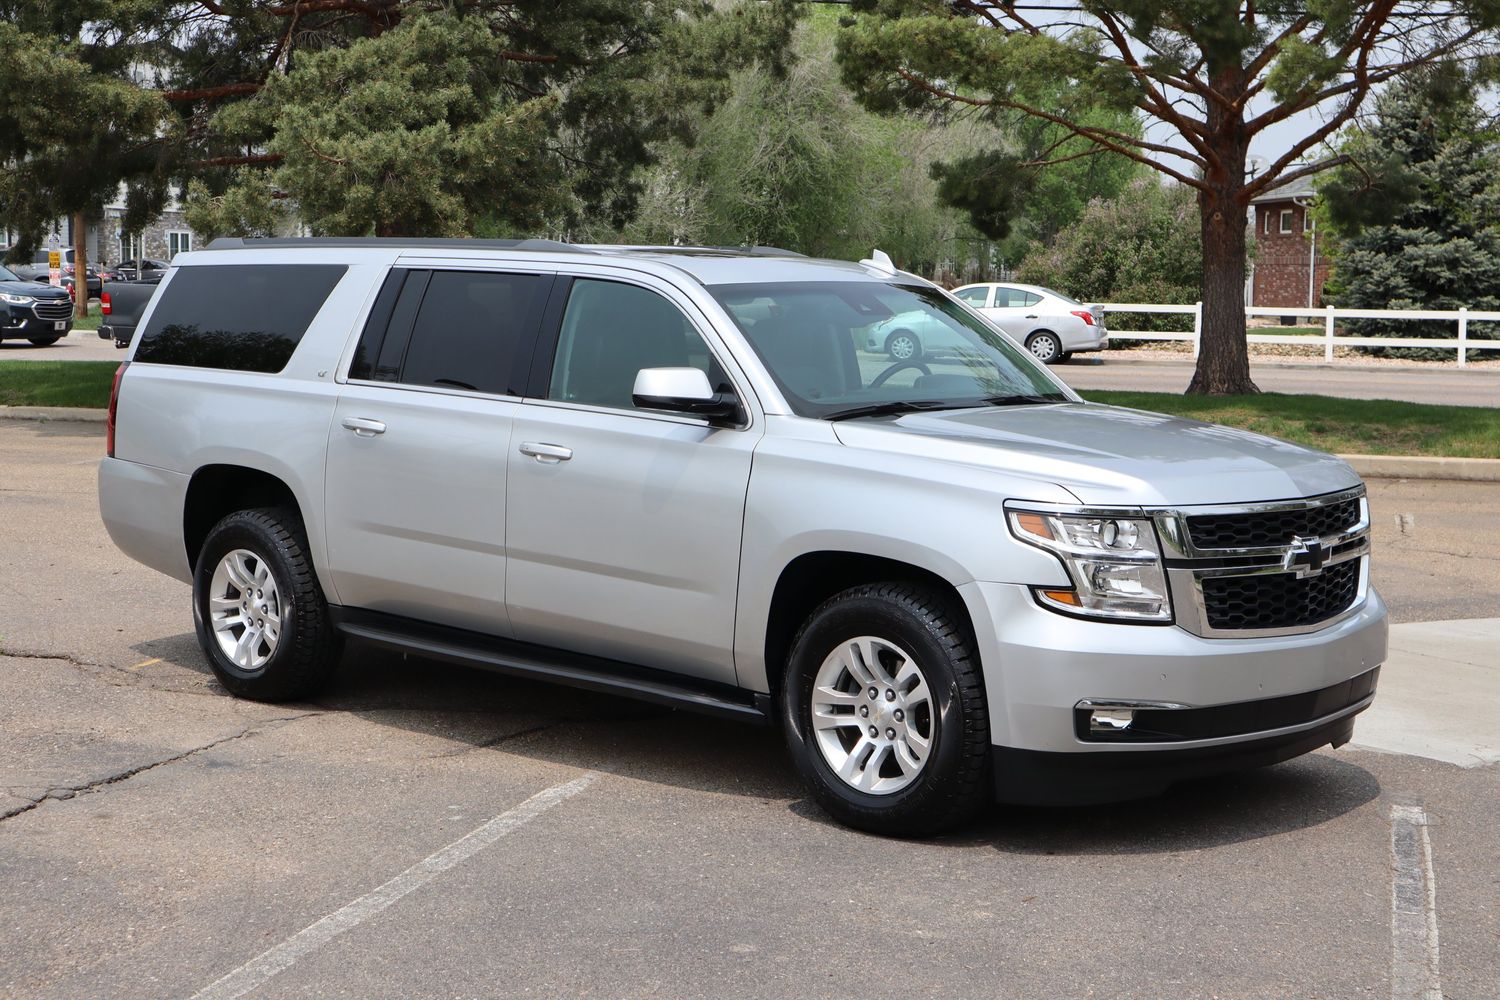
column 673, row 473
column 122, row 303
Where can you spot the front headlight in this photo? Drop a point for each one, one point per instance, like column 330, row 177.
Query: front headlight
column 1114, row 563
column 16, row 300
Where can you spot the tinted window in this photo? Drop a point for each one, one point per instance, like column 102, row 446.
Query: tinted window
column 469, row 328
column 1029, row 298
column 379, row 321
column 610, row 331
column 243, row 317
column 974, row 296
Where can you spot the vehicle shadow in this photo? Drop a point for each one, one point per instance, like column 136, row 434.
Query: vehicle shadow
column 473, row 710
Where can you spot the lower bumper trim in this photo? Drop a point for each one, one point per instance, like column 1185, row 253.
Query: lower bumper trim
column 1045, row 778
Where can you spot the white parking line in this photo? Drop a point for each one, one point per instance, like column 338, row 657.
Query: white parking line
column 1414, row 929
column 283, row 956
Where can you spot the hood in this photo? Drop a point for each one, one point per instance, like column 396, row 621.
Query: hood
column 1109, row 455
column 35, row 289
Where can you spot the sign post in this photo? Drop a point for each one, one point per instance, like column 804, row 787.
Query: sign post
column 54, row 267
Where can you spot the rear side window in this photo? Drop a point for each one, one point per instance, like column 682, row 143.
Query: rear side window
column 240, row 317
column 470, row 328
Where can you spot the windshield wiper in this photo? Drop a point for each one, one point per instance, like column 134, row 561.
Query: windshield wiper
column 894, row 406
column 1025, row 400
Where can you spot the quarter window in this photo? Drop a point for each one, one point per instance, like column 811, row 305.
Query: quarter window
column 610, row 331
column 241, row 317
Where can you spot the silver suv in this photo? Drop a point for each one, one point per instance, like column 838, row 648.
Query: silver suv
column 679, row 474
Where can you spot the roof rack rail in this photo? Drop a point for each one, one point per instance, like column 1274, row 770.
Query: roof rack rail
column 745, row 251
column 243, row 242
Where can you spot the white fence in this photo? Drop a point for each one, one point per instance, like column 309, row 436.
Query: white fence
column 1329, row 315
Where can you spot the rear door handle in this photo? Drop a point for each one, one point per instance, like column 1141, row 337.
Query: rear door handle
column 364, row 426
column 549, row 453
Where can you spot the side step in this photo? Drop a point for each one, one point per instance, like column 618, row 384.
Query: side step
column 520, row 659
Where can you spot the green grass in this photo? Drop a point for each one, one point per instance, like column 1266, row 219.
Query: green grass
column 89, row 322
column 56, row 383
column 1348, row 426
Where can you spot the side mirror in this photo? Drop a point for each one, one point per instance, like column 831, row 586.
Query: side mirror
column 683, row 390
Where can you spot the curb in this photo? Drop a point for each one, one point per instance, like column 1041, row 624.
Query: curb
column 45, row 414
column 1480, row 470
column 1474, row 470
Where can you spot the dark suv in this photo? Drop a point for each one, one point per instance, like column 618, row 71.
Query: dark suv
column 38, row 270
column 42, row 314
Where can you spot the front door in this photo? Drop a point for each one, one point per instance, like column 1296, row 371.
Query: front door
column 623, row 525
column 417, row 452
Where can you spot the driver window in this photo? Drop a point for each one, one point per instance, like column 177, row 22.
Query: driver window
column 610, row 331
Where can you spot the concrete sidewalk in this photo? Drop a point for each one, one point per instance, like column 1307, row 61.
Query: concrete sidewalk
column 1439, row 693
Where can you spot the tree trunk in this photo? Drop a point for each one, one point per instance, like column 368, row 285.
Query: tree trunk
column 80, row 266
column 1224, row 356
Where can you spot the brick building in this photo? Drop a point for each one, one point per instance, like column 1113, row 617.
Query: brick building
column 1289, row 267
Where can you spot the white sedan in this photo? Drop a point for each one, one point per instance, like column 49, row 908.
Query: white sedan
column 1051, row 325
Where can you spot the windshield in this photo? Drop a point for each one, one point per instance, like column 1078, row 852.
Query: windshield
column 847, row 347
column 6, row 274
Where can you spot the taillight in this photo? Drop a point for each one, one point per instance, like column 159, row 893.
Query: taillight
column 1085, row 315
column 104, row 306
column 114, row 403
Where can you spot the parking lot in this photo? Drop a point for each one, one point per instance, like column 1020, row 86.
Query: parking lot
column 423, row 830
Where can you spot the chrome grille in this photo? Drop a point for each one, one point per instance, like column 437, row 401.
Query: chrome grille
column 1254, row 530
column 1279, row 600
column 52, row 310
column 1267, row 569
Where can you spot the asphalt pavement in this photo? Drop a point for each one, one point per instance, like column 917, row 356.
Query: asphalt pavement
column 424, row 830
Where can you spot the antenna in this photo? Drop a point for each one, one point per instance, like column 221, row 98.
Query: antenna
column 879, row 261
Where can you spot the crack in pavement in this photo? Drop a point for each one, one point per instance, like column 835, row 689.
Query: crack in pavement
column 65, row 792
column 126, row 679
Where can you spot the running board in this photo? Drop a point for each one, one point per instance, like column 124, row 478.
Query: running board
column 520, row 659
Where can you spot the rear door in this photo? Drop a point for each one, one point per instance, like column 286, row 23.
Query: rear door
column 418, row 444
column 623, row 525
column 1013, row 310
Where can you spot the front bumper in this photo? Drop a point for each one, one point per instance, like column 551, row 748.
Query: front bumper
column 19, row 322
column 1038, row 667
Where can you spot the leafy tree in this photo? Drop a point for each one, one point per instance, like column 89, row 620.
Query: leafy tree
column 406, row 117
column 1415, row 216
column 1206, row 78
column 1141, row 246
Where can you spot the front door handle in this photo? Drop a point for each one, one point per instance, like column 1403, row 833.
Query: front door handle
column 364, row 426
column 548, row 453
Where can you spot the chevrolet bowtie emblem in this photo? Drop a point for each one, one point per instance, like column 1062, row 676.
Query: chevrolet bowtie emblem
column 1305, row 557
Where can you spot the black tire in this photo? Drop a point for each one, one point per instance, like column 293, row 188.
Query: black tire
column 953, row 784
column 1065, row 357
column 896, row 338
column 308, row 648
column 43, row 341
column 1040, row 337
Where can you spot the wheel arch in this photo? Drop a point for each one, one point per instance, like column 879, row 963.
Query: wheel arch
column 813, row 577
column 217, row 490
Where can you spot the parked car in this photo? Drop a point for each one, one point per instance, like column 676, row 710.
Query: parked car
column 121, row 305
column 39, row 270
column 42, row 314
column 1052, row 326
column 667, row 473
column 137, row 268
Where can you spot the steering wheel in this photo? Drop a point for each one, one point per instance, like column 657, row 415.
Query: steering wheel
column 880, row 379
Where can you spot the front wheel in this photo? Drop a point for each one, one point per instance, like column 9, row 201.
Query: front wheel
column 258, row 610
column 884, row 712
column 1045, row 347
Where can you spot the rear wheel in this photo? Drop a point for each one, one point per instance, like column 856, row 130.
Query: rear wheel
column 47, row 341
column 258, row 610
column 884, row 711
column 1044, row 346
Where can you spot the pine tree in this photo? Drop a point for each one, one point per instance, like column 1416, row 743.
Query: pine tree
column 1416, row 220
